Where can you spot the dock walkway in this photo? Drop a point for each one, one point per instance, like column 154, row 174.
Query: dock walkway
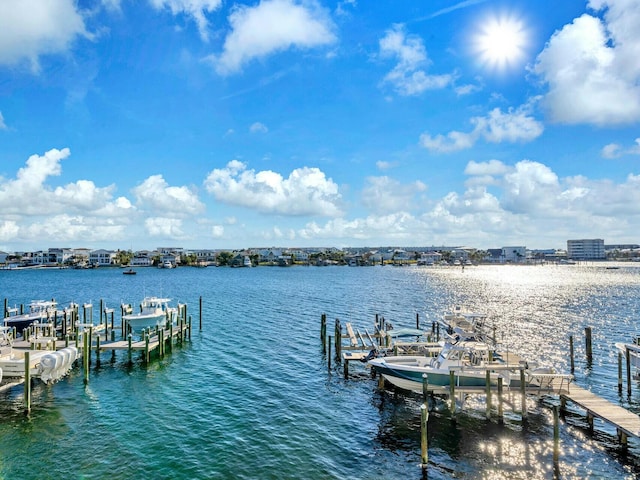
column 625, row 422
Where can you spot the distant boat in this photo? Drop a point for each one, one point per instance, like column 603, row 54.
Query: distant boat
column 165, row 264
column 131, row 271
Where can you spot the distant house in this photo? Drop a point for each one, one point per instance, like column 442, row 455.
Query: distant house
column 142, row 259
column 102, row 258
column 3, row 257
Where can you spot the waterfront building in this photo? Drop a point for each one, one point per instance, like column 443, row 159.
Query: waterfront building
column 513, row 254
column 586, row 249
column 102, row 258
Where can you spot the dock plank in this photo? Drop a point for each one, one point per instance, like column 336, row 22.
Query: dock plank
column 621, row 418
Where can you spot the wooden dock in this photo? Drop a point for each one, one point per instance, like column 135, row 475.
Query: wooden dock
column 625, row 422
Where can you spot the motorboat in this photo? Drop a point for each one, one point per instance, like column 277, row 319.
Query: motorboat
column 40, row 311
column 468, row 359
column 131, row 271
column 154, row 312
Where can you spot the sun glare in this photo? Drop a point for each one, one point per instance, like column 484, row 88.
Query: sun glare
column 501, row 42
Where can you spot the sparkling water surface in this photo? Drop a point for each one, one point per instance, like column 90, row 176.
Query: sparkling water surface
column 251, row 395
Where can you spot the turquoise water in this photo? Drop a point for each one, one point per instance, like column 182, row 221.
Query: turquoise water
column 251, row 396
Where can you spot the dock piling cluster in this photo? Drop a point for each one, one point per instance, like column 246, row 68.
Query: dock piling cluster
column 66, row 327
column 626, row 423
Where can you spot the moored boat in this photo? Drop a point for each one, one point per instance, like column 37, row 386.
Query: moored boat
column 40, row 311
column 154, row 312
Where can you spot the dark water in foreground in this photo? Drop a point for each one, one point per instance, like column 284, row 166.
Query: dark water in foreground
column 250, row 395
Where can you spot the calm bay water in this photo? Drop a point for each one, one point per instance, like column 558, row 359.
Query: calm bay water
column 250, row 395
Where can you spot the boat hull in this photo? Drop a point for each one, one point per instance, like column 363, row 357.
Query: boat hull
column 21, row 323
column 409, row 377
column 142, row 322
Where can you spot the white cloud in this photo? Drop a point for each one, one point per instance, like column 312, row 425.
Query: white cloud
column 613, row 150
column 496, row 127
column 156, row 193
column 384, row 165
column 9, row 230
column 32, row 28
column 170, row 228
column 591, row 67
column 3, row 126
column 31, row 210
column 386, row 195
column 28, row 193
column 512, row 126
column 217, row 231
column 452, row 142
column 492, row 167
column 196, row 9
column 258, row 127
column 408, row 77
column 70, row 228
column 400, row 227
column 528, row 203
column 305, row 192
column 467, row 89
column 269, row 27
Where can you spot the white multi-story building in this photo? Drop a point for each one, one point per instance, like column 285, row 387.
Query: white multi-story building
column 586, row 249
column 513, row 254
column 102, row 257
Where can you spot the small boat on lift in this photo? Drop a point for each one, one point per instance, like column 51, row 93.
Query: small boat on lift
column 40, row 311
column 154, row 312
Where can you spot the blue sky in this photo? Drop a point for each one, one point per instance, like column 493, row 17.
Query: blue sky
column 219, row 124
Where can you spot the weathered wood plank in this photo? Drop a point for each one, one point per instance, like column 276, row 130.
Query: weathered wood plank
column 617, row 416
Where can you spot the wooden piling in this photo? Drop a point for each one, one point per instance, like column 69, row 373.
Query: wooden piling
column 452, row 393
column 329, row 356
column 85, row 356
column 588, row 344
column 500, row 409
column 488, row 393
column 628, row 358
column 524, row 395
column 27, row 382
column 425, row 387
column 130, row 350
column 556, row 434
column 417, row 321
column 424, row 420
column 619, row 373
column 573, row 367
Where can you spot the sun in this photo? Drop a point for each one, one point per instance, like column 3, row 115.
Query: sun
column 501, row 42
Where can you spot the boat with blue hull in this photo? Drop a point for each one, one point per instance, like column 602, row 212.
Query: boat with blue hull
column 40, row 311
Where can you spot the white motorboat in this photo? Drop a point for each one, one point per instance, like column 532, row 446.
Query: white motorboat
column 154, row 312
column 468, row 359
